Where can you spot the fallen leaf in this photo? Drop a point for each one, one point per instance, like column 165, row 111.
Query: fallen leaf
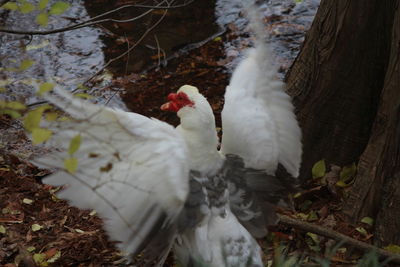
column 362, row 231
column 30, row 249
column 393, row 248
column 368, row 220
column 36, row 227
column 27, row 201
column 319, row 169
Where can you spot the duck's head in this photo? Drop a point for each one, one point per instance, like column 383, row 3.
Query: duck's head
column 191, row 107
column 186, row 96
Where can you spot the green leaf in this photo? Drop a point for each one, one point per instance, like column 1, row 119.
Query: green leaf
column 74, row 144
column 312, row 216
column 314, row 237
column 342, row 184
column 393, row 248
column 302, row 216
column 83, row 95
column 313, row 244
column 44, row 88
column 30, row 249
column 39, row 258
column 82, row 87
column 26, row 7
column 26, row 64
column 2, row 229
column 40, row 135
column 71, row 164
column 2, row 89
column 42, row 19
column 58, row 8
column 12, row 113
column 347, row 175
column 367, row 220
column 44, row 43
column 42, row 4
column 36, row 227
column 33, row 117
column 51, row 116
column 10, row 6
column 362, row 231
column 15, row 105
column 319, row 169
column 27, row 201
column 55, row 257
column 297, row 195
column 348, row 172
column 64, row 118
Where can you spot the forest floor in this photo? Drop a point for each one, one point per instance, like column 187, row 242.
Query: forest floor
column 38, row 229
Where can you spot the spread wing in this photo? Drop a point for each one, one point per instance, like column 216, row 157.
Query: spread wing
column 131, row 169
column 258, row 121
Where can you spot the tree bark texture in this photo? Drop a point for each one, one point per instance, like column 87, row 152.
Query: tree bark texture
column 345, row 86
column 377, row 188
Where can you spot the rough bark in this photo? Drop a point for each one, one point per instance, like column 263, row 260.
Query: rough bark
column 337, row 79
column 346, row 88
column 377, row 187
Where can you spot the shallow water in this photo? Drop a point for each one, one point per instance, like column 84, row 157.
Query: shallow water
column 70, row 58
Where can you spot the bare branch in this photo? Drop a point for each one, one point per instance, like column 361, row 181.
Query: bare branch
column 319, row 230
column 96, row 20
column 131, row 48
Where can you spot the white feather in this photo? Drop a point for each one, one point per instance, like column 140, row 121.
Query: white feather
column 219, row 241
column 131, row 170
column 198, row 129
column 258, row 120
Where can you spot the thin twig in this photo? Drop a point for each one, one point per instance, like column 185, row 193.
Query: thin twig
column 130, row 49
column 127, row 60
column 95, row 20
column 319, row 230
column 114, row 59
column 158, row 51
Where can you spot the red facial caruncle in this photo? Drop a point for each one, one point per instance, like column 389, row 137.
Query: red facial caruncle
column 177, row 101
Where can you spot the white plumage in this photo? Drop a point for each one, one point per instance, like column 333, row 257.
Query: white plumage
column 154, row 184
column 132, row 170
column 259, row 113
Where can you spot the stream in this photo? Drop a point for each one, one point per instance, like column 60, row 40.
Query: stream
column 72, row 57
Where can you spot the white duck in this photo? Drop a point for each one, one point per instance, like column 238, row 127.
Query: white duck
column 154, row 184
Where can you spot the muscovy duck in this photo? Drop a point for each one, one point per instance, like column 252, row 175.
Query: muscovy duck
column 158, row 187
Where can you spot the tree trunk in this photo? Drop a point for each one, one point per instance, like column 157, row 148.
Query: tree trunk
column 346, row 88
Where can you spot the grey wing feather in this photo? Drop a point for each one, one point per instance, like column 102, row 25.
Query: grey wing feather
column 196, row 205
column 254, row 193
column 155, row 248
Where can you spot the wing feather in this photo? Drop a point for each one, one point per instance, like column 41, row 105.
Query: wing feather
column 131, row 169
